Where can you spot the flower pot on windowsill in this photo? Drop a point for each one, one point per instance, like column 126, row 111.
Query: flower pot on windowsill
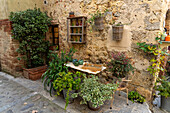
column 117, row 32
column 34, row 73
column 99, row 23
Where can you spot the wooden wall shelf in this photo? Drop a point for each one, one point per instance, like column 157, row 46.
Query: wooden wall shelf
column 76, row 30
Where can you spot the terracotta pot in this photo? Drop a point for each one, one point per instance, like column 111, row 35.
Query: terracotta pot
column 167, row 38
column 34, row 73
column 93, row 108
column 71, row 14
column 52, row 48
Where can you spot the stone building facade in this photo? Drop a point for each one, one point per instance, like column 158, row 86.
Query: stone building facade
column 8, row 46
column 143, row 19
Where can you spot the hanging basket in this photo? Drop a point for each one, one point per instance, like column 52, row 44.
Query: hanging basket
column 117, row 32
column 99, row 23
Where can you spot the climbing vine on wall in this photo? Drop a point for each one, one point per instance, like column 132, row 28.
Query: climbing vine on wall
column 29, row 28
column 158, row 60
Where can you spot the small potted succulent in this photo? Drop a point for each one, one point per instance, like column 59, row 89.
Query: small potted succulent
column 68, row 83
column 95, row 93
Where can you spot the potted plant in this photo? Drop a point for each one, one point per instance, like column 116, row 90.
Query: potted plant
column 68, row 83
column 97, row 20
column 95, row 93
column 163, row 86
column 120, row 65
column 136, row 97
column 29, row 28
column 56, row 65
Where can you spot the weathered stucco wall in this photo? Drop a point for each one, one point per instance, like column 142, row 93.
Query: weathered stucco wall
column 8, row 54
column 8, row 46
column 144, row 18
column 17, row 5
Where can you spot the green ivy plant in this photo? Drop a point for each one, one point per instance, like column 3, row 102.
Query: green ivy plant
column 91, row 90
column 120, row 65
column 56, row 66
column 156, row 65
column 29, row 28
column 135, row 96
column 148, row 48
column 68, row 81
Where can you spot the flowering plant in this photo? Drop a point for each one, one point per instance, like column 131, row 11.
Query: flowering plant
column 120, row 65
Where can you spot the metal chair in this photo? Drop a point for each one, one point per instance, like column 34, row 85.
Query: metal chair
column 122, row 86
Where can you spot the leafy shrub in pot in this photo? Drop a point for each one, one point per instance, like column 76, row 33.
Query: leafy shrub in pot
column 163, row 87
column 67, row 82
column 56, row 66
column 29, row 28
column 94, row 92
column 120, row 65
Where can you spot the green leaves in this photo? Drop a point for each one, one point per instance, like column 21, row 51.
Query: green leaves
column 135, row 96
column 95, row 92
column 56, row 66
column 163, row 87
column 149, row 48
column 120, row 65
column 68, row 81
column 29, row 28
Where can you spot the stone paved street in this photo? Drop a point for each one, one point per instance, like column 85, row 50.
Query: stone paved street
column 15, row 98
column 20, row 95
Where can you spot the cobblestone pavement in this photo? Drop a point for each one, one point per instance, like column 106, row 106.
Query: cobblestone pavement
column 20, row 95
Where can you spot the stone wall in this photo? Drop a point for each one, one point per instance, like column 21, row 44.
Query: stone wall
column 8, row 54
column 17, row 5
column 8, row 46
column 144, row 19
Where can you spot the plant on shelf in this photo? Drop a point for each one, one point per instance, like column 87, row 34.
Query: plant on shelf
column 95, row 93
column 68, row 83
column 163, row 85
column 29, row 28
column 135, row 96
column 56, row 66
column 120, row 65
